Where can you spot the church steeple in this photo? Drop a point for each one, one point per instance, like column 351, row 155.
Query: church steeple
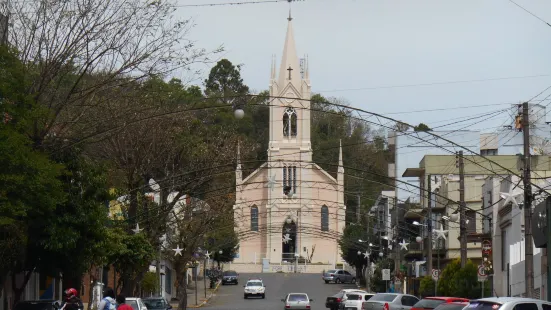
column 289, row 70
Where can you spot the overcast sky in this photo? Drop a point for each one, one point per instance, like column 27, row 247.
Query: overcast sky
column 367, row 51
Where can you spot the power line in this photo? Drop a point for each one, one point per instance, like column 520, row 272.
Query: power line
column 439, row 83
column 525, row 10
column 228, row 3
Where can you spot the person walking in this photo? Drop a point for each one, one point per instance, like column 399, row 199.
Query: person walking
column 108, row 302
column 121, row 303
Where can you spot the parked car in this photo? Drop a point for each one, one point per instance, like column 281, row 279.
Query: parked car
column 156, row 303
column 338, row 276
column 136, row 303
column 354, row 300
column 388, row 301
column 333, row 302
column 38, row 305
column 429, row 303
column 297, row 301
column 509, row 303
column 453, row 306
column 230, row 277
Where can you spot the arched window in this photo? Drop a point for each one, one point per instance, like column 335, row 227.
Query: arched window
column 290, row 122
column 290, row 179
column 254, row 218
column 324, row 218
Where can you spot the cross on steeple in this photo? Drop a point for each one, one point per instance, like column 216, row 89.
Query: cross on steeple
column 290, row 69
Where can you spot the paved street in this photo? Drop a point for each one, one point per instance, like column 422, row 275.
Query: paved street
column 278, row 285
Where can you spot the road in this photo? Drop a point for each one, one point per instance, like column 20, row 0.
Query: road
column 278, row 285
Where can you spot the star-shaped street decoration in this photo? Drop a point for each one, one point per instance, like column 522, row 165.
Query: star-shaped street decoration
column 404, row 244
column 177, row 250
column 207, row 254
column 271, row 182
column 286, row 238
column 366, row 254
column 441, row 233
column 390, row 247
column 509, row 198
column 287, row 230
column 137, row 230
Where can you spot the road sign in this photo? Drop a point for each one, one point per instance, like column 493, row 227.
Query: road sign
column 386, row 274
column 482, row 273
column 435, row 274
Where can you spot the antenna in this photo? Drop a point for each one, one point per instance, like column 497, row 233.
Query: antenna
column 495, row 292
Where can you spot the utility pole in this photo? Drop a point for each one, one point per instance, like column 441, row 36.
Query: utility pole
column 429, row 224
column 528, row 247
column 462, row 228
column 358, row 210
column 368, row 268
column 397, row 260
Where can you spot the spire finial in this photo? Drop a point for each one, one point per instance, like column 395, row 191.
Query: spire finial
column 290, row 17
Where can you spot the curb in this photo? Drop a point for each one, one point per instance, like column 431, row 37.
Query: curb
column 205, row 301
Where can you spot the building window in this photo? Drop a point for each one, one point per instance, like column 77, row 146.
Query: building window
column 324, row 218
column 503, row 249
column 289, row 179
column 290, row 122
column 254, row 218
column 489, row 152
column 470, row 216
column 168, row 280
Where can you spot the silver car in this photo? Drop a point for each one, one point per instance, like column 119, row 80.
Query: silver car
column 297, row 301
column 389, row 301
column 508, row 303
column 338, row 276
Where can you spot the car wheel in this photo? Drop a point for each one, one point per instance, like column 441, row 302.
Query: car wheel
column 236, row 283
column 263, row 296
column 245, row 296
column 338, row 280
column 326, row 281
column 353, row 280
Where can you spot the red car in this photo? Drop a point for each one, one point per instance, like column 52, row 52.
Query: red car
column 429, row 303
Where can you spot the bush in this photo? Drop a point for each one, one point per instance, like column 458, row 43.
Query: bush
column 461, row 282
column 426, row 288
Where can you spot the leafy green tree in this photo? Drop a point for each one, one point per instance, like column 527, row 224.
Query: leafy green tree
column 377, row 283
column 223, row 238
column 30, row 187
column 422, row 127
column 457, row 281
column 426, row 288
column 445, row 285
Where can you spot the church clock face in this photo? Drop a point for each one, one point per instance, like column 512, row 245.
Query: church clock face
column 289, row 97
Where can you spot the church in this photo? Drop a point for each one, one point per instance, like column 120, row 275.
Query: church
column 289, row 207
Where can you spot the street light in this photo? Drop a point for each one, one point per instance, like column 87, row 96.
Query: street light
column 416, row 223
column 454, row 217
column 220, row 252
column 239, row 113
column 418, row 239
column 381, row 254
column 359, row 252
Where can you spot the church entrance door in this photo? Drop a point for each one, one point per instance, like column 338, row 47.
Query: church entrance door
column 289, row 241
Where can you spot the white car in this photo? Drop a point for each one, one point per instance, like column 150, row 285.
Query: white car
column 354, row 300
column 508, row 303
column 136, row 303
column 254, row 287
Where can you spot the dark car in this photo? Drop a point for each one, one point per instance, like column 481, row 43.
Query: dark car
column 38, row 305
column 230, row 277
column 156, row 303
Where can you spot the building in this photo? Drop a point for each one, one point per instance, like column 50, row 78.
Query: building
column 289, row 206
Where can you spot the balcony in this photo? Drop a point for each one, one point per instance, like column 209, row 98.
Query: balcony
column 415, row 250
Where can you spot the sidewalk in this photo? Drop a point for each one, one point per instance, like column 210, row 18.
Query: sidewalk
column 201, row 300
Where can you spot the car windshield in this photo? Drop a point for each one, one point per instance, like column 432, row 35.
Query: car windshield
column 155, row 303
column 428, row 303
column 383, row 297
column 368, row 297
column 354, row 297
column 297, row 297
column 34, row 306
column 133, row 304
column 254, row 283
column 451, row 306
column 230, row 273
column 483, row 305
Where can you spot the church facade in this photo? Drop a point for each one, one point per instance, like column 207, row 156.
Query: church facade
column 289, row 207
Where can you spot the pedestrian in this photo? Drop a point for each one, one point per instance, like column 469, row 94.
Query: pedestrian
column 108, row 302
column 121, row 303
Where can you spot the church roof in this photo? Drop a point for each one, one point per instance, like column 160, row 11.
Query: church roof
column 290, row 65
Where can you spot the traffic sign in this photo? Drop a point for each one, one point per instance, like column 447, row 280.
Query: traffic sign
column 386, row 274
column 435, row 274
column 482, row 273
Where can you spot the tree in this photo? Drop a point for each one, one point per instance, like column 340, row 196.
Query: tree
column 426, row 288
column 457, row 281
column 29, row 180
column 223, row 238
column 422, row 127
column 377, row 282
column 77, row 50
